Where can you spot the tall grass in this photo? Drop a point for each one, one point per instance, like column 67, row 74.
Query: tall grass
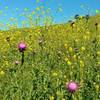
column 55, row 55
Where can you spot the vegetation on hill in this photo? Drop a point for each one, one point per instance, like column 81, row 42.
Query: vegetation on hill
column 54, row 56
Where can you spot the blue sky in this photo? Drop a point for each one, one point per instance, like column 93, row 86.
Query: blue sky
column 14, row 8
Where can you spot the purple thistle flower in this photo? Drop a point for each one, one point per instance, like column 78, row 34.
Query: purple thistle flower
column 22, row 46
column 16, row 62
column 72, row 86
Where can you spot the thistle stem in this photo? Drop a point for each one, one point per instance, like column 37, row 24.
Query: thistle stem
column 22, row 59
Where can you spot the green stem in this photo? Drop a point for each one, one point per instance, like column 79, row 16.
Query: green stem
column 22, row 60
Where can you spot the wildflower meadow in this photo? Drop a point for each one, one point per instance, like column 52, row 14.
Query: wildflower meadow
column 51, row 62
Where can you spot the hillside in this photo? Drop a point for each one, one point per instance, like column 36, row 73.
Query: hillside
column 54, row 56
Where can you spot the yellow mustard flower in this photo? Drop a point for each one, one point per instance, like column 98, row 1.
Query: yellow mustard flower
column 30, row 49
column 98, row 52
column 64, row 76
column 55, row 74
column 76, row 40
column 70, row 49
column 99, row 26
column 37, row 8
column 98, row 62
column 78, row 29
column 88, row 32
column 81, row 17
column 51, row 97
column 79, row 57
column 68, row 62
column 2, row 72
column 97, row 88
column 74, row 56
column 81, row 63
column 63, row 99
column 65, row 45
column 58, row 93
column 82, row 48
column 85, row 37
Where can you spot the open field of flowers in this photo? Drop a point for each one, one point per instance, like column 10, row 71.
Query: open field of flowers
column 59, row 62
